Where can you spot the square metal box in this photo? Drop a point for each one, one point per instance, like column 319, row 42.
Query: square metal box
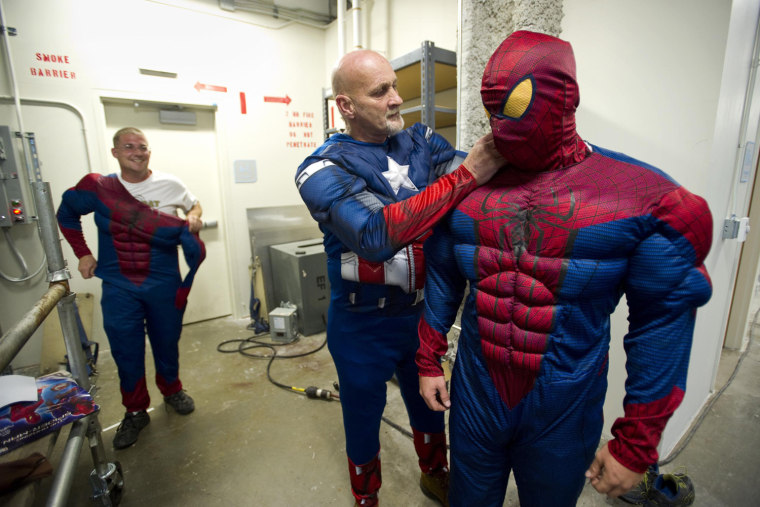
column 282, row 324
column 299, row 271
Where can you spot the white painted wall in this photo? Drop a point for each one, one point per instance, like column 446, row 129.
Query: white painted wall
column 107, row 41
column 664, row 82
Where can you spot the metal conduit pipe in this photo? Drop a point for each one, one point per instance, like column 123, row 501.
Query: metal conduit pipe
column 341, row 28
column 17, row 336
column 357, row 17
column 14, row 85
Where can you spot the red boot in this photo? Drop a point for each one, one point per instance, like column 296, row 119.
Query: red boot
column 434, row 480
column 365, row 481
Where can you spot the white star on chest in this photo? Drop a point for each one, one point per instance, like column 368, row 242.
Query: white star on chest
column 398, row 176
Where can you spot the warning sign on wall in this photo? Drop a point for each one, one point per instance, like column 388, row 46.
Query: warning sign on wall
column 50, row 65
column 300, row 130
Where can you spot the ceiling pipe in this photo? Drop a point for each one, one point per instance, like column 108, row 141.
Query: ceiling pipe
column 357, row 18
column 271, row 9
column 341, row 28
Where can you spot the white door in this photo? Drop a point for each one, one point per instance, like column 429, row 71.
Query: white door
column 190, row 153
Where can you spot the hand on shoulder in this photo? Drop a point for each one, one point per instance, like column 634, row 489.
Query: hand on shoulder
column 483, row 160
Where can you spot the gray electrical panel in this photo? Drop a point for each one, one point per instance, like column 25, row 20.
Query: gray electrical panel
column 12, row 205
column 299, row 272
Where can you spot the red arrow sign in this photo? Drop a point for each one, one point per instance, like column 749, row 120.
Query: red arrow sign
column 200, row 86
column 285, row 99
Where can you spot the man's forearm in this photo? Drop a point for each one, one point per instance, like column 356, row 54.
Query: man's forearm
column 193, row 216
column 195, row 211
column 412, row 217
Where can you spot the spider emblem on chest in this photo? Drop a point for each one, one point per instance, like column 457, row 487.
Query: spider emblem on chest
column 515, row 225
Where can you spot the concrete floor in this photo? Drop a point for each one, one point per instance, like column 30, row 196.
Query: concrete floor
column 250, row 443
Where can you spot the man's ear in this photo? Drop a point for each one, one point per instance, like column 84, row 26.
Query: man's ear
column 113, row 152
column 345, row 106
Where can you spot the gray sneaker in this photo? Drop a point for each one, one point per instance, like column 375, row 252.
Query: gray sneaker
column 639, row 494
column 126, row 433
column 671, row 490
column 180, row 402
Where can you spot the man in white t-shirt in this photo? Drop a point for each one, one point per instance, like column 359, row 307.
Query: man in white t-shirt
column 138, row 234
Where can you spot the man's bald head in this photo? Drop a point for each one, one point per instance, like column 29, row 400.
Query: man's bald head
column 352, row 70
column 364, row 87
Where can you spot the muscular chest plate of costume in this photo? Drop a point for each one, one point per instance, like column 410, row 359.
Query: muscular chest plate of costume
column 519, row 239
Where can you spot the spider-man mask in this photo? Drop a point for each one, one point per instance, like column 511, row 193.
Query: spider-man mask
column 530, row 93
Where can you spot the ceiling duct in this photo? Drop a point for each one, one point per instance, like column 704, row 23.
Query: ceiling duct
column 289, row 10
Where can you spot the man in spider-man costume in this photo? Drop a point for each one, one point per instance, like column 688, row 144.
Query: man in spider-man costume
column 138, row 235
column 376, row 191
column 548, row 247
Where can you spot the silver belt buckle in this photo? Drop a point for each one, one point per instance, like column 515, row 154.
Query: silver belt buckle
column 419, row 296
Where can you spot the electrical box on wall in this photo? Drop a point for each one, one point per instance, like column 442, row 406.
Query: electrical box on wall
column 12, row 206
column 299, row 271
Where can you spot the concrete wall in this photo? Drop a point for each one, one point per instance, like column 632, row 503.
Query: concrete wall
column 484, row 26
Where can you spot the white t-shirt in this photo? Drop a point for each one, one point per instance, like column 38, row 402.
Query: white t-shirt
column 162, row 191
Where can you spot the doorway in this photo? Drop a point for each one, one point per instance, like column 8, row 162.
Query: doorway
column 189, row 151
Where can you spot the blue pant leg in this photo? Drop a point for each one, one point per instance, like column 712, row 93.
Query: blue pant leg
column 356, row 344
column 566, row 424
column 124, row 324
column 479, row 432
column 164, row 325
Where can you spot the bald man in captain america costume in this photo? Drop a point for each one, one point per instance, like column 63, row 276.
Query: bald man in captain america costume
column 548, row 248
column 376, row 191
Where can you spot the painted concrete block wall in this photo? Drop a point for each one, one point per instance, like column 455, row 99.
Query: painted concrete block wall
column 485, row 25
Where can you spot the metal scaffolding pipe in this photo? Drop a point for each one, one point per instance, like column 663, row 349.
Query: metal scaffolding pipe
column 59, row 491
column 17, row 336
column 67, row 314
column 48, row 229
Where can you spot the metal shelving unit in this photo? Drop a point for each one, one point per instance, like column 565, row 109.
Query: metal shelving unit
column 427, row 81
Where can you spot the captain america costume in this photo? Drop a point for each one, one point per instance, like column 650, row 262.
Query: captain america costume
column 142, row 285
column 548, row 248
column 375, row 204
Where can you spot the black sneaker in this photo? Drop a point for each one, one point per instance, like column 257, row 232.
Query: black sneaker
column 671, row 490
column 126, row 433
column 180, row 402
column 638, row 495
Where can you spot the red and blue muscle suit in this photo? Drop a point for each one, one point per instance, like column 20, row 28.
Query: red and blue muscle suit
column 142, row 286
column 548, row 247
column 375, row 204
